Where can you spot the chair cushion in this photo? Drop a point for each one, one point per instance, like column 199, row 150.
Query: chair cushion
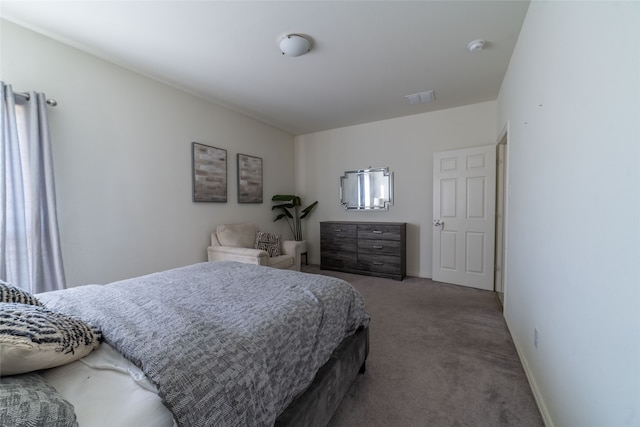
column 268, row 242
column 282, row 261
column 237, row 235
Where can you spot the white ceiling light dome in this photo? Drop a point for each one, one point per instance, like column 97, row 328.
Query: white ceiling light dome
column 294, row 45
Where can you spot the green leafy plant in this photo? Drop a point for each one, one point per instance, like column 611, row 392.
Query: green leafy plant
column 292, row 212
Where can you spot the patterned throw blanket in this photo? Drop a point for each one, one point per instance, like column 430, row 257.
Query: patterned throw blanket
column 227, row 344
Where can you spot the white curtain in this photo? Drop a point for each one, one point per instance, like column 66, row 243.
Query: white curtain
column 30, row 255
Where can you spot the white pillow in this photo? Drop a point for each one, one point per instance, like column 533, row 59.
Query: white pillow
column 34, row 338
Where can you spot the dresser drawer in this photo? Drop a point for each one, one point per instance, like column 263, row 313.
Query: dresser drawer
column 338, row 244
column 341, row 260
column 338, row 237
column 348, row 231
column 379, row 232
column 385, row 264
column 381, row 247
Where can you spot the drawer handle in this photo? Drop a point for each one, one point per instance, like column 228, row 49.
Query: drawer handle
column 378, row 263
column 338, row 230
column 377, row 232
column 377, row 246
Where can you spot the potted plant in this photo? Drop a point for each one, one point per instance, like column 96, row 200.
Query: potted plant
column 292, row 212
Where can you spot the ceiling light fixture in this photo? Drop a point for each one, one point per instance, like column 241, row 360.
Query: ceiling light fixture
column 476, row 45
column 294, row 45
column 421, row 97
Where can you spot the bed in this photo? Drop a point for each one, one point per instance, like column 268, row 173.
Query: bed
column 211, row 344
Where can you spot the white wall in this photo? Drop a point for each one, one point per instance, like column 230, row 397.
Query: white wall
column 571, row 97
column 122, row 158
column 406, row 145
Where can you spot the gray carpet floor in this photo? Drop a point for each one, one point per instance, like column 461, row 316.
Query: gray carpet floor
column 440, row 355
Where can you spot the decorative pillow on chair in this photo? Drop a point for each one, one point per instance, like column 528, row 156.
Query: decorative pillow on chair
column 268, row 242
column 9, row 293
column 34, row 338
column 28, row 400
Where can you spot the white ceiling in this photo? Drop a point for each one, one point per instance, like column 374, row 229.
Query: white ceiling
column 365, row 57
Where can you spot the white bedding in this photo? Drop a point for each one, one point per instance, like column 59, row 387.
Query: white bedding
column 108, row 390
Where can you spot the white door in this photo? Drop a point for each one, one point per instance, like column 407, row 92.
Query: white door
column 464, row 193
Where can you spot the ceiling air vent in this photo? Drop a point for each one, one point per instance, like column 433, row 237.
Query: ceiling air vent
column 421, row 97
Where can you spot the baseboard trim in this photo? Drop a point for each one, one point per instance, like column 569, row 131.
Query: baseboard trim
column 537, row 395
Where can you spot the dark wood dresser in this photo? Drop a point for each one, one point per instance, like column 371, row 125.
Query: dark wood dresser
column 372, row 248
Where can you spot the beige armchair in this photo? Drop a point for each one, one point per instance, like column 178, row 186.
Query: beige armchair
column 236, row 242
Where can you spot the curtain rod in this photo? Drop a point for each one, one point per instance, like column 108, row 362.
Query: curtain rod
column 25, row 95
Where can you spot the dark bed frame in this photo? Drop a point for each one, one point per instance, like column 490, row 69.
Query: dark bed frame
column 316, row 405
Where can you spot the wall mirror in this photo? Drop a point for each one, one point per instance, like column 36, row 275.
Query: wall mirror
column 367, row 189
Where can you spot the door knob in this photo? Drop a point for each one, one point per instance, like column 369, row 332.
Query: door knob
column 438, row 223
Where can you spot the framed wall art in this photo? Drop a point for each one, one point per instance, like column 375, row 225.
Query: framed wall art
column 249, row 179
column 209, row 165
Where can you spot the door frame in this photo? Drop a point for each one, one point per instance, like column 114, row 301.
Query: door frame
column 503, row 140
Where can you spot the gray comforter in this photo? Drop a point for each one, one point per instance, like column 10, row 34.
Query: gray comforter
column 227, row 344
